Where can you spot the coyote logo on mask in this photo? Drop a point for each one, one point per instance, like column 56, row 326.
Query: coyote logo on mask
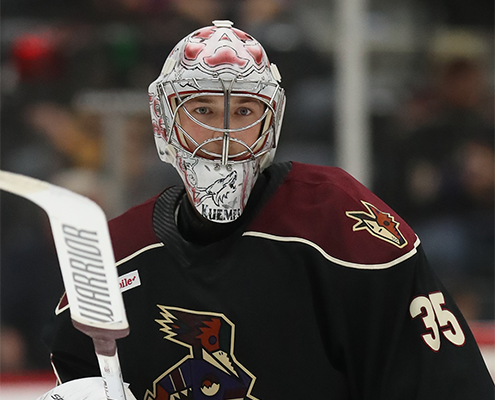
column 219, row 190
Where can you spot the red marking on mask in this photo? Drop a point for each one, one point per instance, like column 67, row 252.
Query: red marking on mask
column 256, row 52
column 204, row 33
column 192, row 50
column 242, row 35
column 225, row 55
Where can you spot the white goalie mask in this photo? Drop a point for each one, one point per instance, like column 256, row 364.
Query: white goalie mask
column 215, row 71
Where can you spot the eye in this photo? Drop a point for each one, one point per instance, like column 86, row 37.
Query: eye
column 244, row 111
column 202, row 110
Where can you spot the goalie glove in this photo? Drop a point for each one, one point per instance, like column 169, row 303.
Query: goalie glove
column 82, row 389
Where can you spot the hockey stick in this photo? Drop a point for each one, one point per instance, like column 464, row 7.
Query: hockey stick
column 87, row 263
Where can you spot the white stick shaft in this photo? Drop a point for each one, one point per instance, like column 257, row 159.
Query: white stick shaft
column 112, row 376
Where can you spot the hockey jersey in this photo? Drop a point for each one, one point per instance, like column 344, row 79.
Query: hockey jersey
column 321, row 292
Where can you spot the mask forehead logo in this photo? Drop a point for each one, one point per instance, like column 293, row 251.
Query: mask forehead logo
column 380, row 224
column 219, row 49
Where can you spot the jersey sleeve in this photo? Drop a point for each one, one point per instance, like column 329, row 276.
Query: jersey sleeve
column 397, row 334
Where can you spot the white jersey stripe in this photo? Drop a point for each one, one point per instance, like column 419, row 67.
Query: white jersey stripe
column 135, row 254
column 333, row 259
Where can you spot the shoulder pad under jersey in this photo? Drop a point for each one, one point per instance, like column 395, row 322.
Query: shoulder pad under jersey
column 328, row 209
column 133, row 230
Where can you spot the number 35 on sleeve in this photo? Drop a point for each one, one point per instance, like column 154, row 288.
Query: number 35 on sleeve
column 436, row 319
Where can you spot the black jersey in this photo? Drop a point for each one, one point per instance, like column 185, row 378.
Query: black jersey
column 320, row 291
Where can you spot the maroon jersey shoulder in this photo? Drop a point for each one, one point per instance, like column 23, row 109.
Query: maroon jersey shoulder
column 133, row 230
column 330, row 209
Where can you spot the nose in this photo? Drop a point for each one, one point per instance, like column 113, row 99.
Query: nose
column 219, row 125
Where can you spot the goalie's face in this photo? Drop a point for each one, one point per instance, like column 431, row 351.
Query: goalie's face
column 214, row 128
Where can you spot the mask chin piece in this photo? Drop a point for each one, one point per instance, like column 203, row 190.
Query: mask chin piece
column 218, row 192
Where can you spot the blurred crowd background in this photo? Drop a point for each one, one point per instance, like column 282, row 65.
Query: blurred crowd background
column 74, row 111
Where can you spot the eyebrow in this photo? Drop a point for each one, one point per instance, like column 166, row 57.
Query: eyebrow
column 242, row 100
column 202, row 99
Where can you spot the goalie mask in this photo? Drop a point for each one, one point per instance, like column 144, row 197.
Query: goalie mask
column 216, row 110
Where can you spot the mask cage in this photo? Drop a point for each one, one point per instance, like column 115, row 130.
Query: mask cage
column 173, row 95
